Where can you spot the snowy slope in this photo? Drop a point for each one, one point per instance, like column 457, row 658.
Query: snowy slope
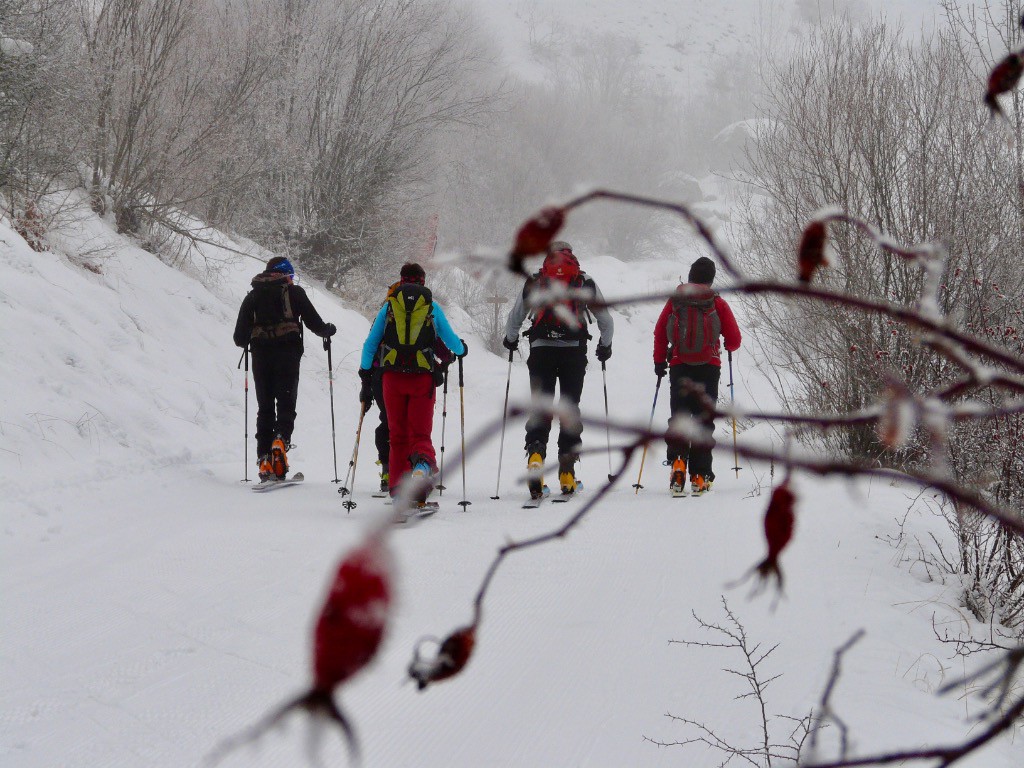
column 153, row 605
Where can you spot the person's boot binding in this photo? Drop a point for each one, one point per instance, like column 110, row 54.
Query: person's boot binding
column 266, row 469
column 279, row 458
column 700, row 484
column 535, row 478
column 567, row 473
column 677, row 478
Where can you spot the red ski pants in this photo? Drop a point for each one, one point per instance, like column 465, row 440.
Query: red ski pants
column 409, row 400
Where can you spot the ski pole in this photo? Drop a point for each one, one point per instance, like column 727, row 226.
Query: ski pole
column 330, row 379
column 504, row 420
column 245, row 356
column 650, row 424
column 444, row 421
column 732, row 404
column 462, row 430
column 607, row 426
column 345, row 490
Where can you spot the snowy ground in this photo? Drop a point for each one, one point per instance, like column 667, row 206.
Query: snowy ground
column 153, row 605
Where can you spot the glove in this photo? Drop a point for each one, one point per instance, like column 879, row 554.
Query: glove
column 660, row 369
column 366, row 390
column 603, row 352
column 465, row 348
column 510, row 344
column 329, row 330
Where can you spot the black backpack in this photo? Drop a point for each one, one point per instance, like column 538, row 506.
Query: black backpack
column 273, row 317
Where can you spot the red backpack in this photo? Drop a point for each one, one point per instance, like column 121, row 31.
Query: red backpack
column 693, row 324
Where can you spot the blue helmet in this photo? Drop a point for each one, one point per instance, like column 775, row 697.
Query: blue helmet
column 282, row 265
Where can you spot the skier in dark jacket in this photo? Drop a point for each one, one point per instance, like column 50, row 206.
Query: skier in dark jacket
column 688, row 329
column 558, row 355
column 270, row 322
column 402, row 338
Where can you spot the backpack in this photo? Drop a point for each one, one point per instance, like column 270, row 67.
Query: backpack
column 546, row 322
column 272, row 309
column 693, row 324
column 408, row 343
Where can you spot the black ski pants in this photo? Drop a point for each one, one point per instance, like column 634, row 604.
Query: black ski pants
column 567, row 367
column 275, row 373
column 683, row 400
column 382, row 435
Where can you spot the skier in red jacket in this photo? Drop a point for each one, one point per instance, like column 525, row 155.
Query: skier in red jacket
column 686, row 346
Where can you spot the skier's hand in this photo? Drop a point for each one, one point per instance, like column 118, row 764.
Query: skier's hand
column 329, row 330
column 660, row 369
column 603, row 352
column 465, row 348
column 510, row 344
column 366, row 390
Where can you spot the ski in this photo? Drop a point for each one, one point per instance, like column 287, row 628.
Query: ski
column 562, row 498
column 270, row 485
column 419, row 512
column 535, row 502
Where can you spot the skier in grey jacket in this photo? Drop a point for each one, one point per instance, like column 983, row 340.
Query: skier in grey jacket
column 558, row 353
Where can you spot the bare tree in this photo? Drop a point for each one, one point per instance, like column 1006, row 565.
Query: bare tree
column 170, row 88
column 366, row 87
column 894, row 132
column 41, row 102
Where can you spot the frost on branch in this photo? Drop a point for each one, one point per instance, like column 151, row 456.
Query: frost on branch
column 555, row 296
column 451, row 657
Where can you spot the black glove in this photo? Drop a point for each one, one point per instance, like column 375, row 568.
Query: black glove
column 366, row 390
column 660, row 369
column 465, row 348
column 511, row 345
column 603, row 352
column 329, row 330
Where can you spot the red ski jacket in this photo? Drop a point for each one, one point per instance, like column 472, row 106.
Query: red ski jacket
column 730, row 333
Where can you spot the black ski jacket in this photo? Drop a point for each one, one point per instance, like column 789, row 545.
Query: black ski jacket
column 302, row 308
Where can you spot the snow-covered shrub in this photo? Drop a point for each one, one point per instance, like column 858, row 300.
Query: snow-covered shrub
column 894, row 133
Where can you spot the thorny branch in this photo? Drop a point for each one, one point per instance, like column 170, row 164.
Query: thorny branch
column 1007, row 667
column 763, row 754
column 825, row 712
